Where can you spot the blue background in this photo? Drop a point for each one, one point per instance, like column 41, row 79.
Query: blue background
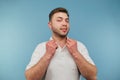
column 23, row 24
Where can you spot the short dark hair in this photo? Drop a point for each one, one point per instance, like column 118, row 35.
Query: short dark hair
column 56, row 10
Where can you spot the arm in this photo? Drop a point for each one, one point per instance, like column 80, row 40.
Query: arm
column 88, row 70
column 38, row 71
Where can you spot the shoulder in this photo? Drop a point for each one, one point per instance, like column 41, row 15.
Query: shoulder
column 80, row 44
column 82, row 48
column 40, row 49
column 41, row 45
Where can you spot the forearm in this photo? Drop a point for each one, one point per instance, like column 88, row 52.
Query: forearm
column 88, row 70
column 38, row 71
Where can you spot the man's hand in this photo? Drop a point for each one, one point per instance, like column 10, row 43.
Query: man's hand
column 72, row 46
column 51, row 47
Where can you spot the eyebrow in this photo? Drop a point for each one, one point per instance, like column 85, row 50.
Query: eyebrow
column 62, row 18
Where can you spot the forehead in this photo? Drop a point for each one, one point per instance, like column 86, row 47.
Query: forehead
column 60, row 14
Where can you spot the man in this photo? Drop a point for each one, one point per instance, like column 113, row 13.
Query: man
column 60, row 58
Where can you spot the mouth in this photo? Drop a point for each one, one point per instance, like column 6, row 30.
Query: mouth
column 63, row 29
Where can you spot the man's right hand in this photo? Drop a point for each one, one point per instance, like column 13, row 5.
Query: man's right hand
column 51, row 47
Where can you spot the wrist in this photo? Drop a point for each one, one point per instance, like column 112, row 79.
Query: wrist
column 48, row 56
column 75, row 54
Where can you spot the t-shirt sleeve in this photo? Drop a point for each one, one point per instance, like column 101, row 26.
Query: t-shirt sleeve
column 37, row 54
column 83, row 50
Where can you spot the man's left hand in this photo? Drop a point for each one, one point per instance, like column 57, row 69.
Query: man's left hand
column 72, row 46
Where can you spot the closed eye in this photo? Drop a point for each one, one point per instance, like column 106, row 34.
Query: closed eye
column 67, row 20
column 59, row 19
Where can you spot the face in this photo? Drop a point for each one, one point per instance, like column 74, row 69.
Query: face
column 59, row 24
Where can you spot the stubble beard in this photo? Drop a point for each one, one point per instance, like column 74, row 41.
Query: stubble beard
column 61, row 35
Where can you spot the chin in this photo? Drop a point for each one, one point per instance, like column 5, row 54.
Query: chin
column 63, row 35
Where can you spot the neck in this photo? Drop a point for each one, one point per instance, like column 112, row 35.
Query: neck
column 61, row 41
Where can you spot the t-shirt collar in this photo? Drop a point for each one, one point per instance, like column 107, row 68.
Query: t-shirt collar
column 52, row 38
column 57, row 44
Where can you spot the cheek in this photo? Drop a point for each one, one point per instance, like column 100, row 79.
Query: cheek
column 68, row 26
column 56, row 25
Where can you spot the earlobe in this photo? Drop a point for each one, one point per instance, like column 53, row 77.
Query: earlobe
column 49, row 24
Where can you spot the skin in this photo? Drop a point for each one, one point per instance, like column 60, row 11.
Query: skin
column 59, row 26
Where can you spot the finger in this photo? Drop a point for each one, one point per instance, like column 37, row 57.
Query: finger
column 71, row 40
column 68, row 44
column 54, row 44
column 52, row 41
column 68, row 40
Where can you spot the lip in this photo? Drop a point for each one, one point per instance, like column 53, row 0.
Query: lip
column 64, row 29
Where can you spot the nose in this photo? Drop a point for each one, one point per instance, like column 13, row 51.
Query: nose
column 64, row 23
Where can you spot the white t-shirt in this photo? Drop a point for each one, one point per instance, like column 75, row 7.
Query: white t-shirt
column 62, row 66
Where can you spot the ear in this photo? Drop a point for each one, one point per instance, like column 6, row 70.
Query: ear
column 49, row 24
